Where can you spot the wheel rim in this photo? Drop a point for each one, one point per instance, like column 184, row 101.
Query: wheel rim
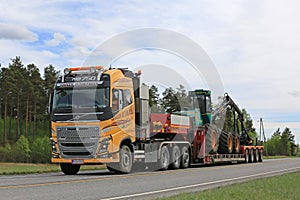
column 214, row 140
column 247, row 156
column 185, row 157
column 176, row 156
column 164, row 158
column 252, row 155
column 237, row 144
column 126, row 159
column 256, row 155
column 230, row 142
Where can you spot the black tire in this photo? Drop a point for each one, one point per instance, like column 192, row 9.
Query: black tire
column 256, row 157
column 225, row 143
column 247, row 156
column 164, row 159
column 126, row 160
column 260, row 156
column 236, row 143
column 185, row 158
column 211, row 140
column 175, row 158
column 69, row 169
column 112, row 167
column 251, row 156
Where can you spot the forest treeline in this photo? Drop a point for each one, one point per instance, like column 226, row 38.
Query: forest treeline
column 24, row 121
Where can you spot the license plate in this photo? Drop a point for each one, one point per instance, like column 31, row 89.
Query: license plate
column 77, row 162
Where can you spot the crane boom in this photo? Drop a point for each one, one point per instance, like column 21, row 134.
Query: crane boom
column 228, row 103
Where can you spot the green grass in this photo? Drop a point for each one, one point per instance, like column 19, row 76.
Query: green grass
column 285, row 186
column 276, row 157
column 26, row 168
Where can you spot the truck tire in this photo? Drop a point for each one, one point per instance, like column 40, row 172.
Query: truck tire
column 164, row 160
column 226, row 143
column 246, row 156
column 185, row 158
column 112, row 167
column 69, row 169
column 256, row 157
column 126, row 161
column 260, row 156
column 236, row 143
column 175, row 157
column 211, row 140
column 251, row 156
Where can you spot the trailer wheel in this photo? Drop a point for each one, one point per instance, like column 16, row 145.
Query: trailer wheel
column 175, row 158
column 251, row 156
column 125, row 164
column 260, row 157
column 247, row 156
column 69, row 169
column 256, row 157
column 164, row 160
column 185, row 158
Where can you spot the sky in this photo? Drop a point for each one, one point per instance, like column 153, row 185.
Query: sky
column 253, row 44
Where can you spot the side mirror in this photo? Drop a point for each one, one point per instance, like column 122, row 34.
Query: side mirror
column 50, row 103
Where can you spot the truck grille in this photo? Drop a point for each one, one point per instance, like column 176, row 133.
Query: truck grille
column 78, row 142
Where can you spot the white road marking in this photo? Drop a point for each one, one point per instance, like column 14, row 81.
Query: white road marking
column 201, row 184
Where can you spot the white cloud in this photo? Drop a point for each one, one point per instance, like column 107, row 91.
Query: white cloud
column 255, row 44
column 15, row 32
column 57, row 39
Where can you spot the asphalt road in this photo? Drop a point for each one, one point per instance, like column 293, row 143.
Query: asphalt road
column 142, row 185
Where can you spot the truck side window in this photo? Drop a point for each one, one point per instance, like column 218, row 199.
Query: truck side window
column 120, row 99
column 127, row 97
column 115, row 100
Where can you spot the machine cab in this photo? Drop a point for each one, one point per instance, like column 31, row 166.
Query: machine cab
column 201, row 99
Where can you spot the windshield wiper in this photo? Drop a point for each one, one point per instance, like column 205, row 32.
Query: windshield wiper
column 65, row 107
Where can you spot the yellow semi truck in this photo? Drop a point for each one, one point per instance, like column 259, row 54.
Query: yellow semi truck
column 102, row 116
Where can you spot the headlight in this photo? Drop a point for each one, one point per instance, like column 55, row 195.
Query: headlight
column 104, row 145
column 53, row 144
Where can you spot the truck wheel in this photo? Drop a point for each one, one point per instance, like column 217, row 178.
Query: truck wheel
column 125, row 164
column 256, row 157
column 247, row 156
column 164, row 158
column 175, row 158
column 112, row 167
column 185, row 158
column 226, row 143
column 260, row 156
column 69, row 169
column 251, row 156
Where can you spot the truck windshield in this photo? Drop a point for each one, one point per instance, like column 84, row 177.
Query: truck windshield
column 81, row 98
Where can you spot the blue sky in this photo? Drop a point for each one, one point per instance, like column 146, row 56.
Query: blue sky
column 254, row 44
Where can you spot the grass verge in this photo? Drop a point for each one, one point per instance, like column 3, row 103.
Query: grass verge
column 285, row 186
column 27, row 168
column 276, row 157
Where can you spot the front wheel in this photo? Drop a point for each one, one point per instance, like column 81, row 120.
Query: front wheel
column 125, row 164
column 69, row 169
